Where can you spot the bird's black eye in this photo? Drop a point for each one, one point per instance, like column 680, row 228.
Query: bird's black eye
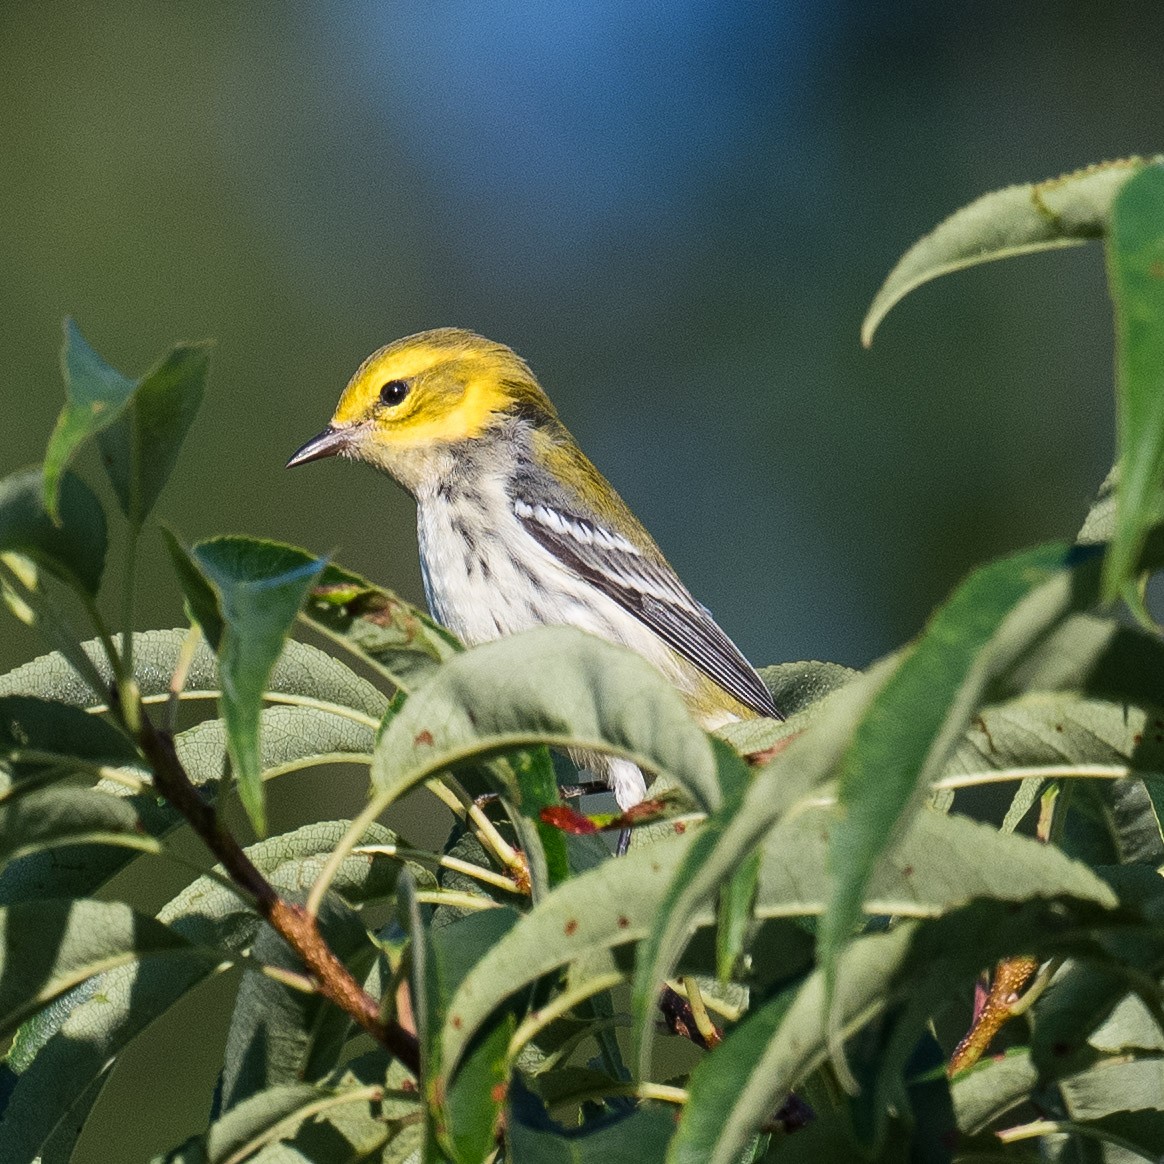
column 393, row 392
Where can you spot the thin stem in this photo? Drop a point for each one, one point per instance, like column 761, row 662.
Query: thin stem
column 360, row 826
column 128, row 595
column 716, row 1005
column 456, row 899
column 1039, row 1128
column 478, row 872
column 703, row 1023
column 181, row 672
column 662, row 1092
column 104, row 636
column 1046, row 771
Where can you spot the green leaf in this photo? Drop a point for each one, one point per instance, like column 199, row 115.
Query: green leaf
column 49, row 818
column 95, row 395
column 302, row 674
column 309, row 1123
column 201, row 598
column 634, row 1136
column 603, row 908
column 1060, row 212
column 735, row 915
column 39, row 733
column 291, row 738
column 553, row 685
column 140, row 448
column 727, row 838
column 71, row 548
column 1136, row 270
column 743, row 1081
column 464, row 1110
column 392, row 637
column 75, row 1050
column 280, row 1036
column 48, row 948
column 261, row 587
column 992, row 1087
column 918, row 716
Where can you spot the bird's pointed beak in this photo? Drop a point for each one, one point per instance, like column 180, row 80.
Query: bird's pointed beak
column 329, row 442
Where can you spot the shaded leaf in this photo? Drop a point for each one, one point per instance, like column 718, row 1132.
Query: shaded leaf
column 726, row 838
column 78, row 1048
column 397, row 640
column 72, row 548
column 95, row 395
column 637, row 1136
column 139, row 449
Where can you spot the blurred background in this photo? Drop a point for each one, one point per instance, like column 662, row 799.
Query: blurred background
column 677, row 213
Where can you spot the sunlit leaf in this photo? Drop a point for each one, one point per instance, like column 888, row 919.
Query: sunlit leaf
column 1136, row 270
column 1060, row 212
column 556, row 686
column 918, row 716
column 303, row 673
column 260, row 588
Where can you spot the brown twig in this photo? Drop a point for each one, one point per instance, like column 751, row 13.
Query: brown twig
column 298, row 929
column 1010, row 976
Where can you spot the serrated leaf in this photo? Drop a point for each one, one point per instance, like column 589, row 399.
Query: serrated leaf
column 1135, row 252
column 555, row 686
column 139, row 449
column 916, row 719
column 71, row 548
column 95, row 395
column 260, row 588
column 1060, row 212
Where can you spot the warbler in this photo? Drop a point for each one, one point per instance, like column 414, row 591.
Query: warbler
column 518, row 529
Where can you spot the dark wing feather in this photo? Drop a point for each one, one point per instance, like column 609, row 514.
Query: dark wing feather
column 648, row 588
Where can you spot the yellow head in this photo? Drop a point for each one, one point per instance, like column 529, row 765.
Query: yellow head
column 410, row 404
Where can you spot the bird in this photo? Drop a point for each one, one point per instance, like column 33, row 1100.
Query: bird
column 518, row 529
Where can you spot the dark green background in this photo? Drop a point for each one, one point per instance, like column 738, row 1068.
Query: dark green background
column 678, row 213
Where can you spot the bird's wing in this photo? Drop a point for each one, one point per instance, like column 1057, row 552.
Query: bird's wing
column 646, row 586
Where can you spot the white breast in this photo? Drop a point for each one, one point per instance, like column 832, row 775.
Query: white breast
column 486, row 577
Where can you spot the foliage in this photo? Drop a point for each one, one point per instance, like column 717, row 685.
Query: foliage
column 808, row 883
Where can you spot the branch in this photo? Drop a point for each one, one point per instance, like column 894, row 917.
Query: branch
column 292, row 922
